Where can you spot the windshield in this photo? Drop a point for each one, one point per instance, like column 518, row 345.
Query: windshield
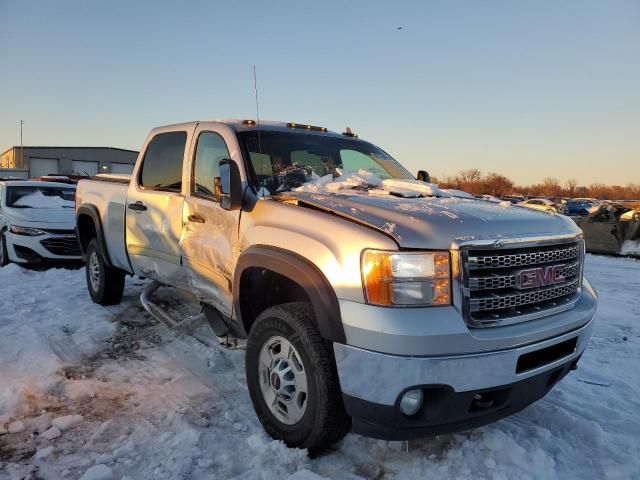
column 282, row 161
column 40, row 197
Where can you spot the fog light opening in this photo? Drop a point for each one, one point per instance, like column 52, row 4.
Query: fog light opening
column 411, row 402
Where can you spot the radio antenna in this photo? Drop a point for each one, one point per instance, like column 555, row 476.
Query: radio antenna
column 255, row 87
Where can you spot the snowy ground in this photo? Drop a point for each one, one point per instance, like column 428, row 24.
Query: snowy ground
column 129, row 399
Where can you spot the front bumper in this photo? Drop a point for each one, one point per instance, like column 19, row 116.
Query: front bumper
column 446, row 411
column 41, row 249
column 372, row 384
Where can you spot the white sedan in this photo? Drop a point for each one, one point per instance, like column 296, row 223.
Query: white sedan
column 544, row 205
column 37, row 223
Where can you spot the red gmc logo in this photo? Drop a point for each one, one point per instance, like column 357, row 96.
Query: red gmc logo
column 539, row 277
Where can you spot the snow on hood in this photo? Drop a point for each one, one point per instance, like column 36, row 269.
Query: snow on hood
column 376, row 186
column 435, row 222
column 39, row 200
column 457, row 193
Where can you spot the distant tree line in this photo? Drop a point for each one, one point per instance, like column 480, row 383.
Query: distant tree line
column 476, row 182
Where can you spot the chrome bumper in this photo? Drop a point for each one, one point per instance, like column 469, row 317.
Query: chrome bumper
column 380, row 378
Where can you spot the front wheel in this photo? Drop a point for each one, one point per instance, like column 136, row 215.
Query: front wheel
column 293, row 381
column 105, row 284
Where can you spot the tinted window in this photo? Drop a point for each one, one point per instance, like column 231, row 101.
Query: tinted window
column 209, row 151
column 162, row 164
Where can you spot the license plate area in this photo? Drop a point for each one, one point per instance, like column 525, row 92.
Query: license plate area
column 545, row 356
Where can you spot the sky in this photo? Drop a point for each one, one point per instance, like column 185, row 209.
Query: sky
column 526, row 89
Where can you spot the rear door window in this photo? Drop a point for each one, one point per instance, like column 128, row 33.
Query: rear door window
column 162, row 163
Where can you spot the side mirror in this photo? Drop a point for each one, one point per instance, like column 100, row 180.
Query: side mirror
column 423, row 176
column 230, row 185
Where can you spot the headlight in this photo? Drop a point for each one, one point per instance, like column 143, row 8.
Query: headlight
column 406, row 278
column 31, row 232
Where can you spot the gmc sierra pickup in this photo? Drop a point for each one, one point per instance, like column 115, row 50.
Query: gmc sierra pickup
column 368, row 299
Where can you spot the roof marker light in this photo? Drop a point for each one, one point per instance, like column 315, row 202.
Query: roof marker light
column 348, row 133
column 307, row 127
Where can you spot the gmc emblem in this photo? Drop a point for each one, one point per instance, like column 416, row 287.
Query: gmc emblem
column 539, row 277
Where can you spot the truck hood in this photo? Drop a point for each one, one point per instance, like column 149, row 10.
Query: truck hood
column 41, row 215
column 436, row 222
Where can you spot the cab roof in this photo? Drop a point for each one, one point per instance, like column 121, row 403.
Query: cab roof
column 247, row 125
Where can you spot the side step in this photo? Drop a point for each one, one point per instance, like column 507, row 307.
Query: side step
column 154, row 310
column 172, row 323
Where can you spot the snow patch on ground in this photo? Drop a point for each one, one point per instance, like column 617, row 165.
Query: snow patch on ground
column 166, row 405
column 630, row 247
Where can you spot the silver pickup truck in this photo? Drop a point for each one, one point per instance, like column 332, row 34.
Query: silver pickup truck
column 369, row 299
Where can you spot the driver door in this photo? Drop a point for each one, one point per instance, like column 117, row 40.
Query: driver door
column 209, row 242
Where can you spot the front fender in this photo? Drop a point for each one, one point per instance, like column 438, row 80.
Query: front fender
column 304, row 273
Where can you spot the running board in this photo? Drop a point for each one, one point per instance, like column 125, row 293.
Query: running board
column 154, row 310
column 172, row 323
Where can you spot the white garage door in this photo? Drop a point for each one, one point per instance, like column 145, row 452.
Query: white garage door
column 43, row 166
column 82, row 167
column 126, row 168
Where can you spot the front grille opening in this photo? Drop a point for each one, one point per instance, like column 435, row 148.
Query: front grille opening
column 62, row 246
column 536, row 359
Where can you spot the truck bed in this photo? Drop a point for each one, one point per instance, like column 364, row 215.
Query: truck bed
column 108, row 195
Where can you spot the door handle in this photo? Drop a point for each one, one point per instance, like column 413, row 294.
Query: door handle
column 138, row 206
column 195, row 218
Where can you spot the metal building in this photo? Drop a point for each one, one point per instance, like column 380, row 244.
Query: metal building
column 29, row 162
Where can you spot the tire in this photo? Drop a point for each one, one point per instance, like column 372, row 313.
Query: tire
column 324, row 420
column 4, row 256
column 105, row 284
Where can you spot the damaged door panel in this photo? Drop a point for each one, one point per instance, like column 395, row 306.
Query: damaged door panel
column 613, row 229
column 210, row 232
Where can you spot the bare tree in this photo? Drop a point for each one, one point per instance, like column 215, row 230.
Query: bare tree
column 570, row 187
column 497, row 185
column 551, row 187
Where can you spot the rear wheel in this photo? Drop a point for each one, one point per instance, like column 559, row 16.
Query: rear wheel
column 4, row 256
column 293, row 381
column 105, row 284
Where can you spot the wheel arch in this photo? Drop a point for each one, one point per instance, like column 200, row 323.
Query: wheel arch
column 298, row 270
column 88, row 226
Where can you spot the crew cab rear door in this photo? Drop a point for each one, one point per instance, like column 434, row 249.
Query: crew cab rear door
column 209, row 240
column 154, row 207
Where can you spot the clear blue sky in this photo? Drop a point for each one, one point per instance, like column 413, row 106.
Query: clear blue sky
column 527, row 89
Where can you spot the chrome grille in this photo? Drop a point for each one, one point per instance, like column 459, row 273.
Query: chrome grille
column 522, row 259
column 498, row 302
column 494, row 292
column 497, row 281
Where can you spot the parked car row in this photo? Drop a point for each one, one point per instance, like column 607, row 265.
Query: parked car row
column 565, row 206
